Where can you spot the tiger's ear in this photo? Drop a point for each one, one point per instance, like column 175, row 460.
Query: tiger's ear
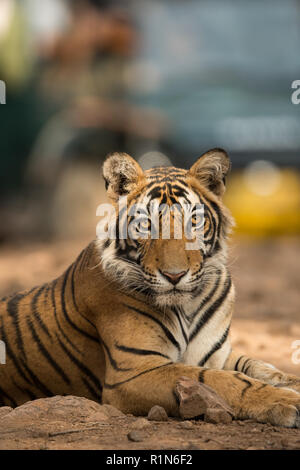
column 211, row 170
column 121, row 174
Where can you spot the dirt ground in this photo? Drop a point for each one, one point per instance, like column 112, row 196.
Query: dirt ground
column 266, row 323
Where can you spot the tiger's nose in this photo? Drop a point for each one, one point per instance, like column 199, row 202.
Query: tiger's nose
column 174, row 278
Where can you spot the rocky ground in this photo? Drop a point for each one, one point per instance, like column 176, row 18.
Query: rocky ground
column 77, row 423
column 266, row 323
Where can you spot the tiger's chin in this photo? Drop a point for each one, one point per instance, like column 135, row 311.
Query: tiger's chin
column 174, row 298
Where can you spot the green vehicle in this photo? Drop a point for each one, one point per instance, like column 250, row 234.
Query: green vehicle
column 221, row 72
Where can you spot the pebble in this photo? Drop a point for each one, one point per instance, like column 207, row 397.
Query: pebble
column 186, row 425
column 140, row 423
column 157, row 413
column 136, row 436
column 216, row 416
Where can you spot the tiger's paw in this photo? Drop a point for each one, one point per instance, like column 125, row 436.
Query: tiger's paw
column 282, row 409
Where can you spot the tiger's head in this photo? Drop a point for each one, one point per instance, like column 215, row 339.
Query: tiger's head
column 165, row 268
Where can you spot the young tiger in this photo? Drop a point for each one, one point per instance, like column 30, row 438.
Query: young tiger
column 131, row 316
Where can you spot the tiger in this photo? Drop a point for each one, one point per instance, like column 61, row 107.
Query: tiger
column 131, row 316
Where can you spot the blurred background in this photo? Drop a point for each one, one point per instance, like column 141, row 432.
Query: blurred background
column 163, row 81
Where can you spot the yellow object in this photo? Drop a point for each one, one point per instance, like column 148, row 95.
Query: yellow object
column 265, row 214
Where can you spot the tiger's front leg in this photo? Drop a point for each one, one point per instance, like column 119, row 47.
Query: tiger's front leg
column 143, row 366
column 262, row 371
column 249, row 398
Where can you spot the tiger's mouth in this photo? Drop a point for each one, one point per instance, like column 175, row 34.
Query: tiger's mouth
column 175, row 291
column 188, row 288
column 173, row 296
column 163, row 290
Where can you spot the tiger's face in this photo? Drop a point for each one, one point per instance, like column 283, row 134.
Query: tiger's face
column 175, row 226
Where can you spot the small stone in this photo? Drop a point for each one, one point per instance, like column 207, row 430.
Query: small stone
column 157, row 413
column 255, row 429
column 216, row 416
column 136, row 436
column 186, row 425
column 140, row 423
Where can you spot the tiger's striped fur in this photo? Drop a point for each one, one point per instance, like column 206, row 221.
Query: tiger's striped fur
column 119, row 326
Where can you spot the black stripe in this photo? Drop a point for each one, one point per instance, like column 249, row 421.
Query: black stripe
column 201, row 375
column 210, row 233
column 209, row 296
column 35, row 312
column 181, row 326
column 211, row 310
column 261, row 386
column 140, row 352
column 247, row 382
column 10, row 354
column 216, row 220
column 219, row 222
column 56, row 319
column 25, row 391
column 215, row 348
column 46, row 292
column 96, row 395
column 236, row 367
column 46, row 354
column 79, row 364
column 111, row 386
column 67, row 339
column 247, row 368
column 112, row 361
column 13, row 310
column 37, row 383
column 5, row 395
column 176, row 398
column 246, row 362
column 167, row 332
column 63, row 304
column 73, row 286
column 74, row 296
